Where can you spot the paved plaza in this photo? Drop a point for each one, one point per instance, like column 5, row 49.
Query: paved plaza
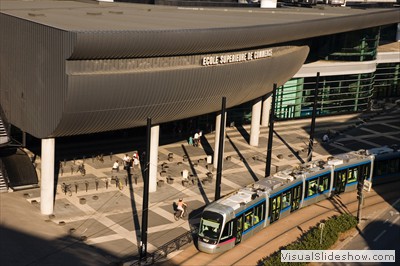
column 99, row 223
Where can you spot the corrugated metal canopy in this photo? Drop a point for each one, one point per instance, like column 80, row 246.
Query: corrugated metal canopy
column 71, row 68
column 188, row 30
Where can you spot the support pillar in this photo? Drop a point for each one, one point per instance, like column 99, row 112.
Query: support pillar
column 217, row 134
column 47, row 177
column 216, row 145
column 266, row 109
column 255, row 123
column 155, row 135
column 398, row 33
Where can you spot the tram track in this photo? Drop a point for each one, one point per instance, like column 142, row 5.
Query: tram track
column 273, row 237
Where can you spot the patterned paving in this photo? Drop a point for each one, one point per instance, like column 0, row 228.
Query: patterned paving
column 109, row 218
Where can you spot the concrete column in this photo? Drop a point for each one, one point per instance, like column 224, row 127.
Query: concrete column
column 155, row 135
column 266, row 109
column 216, row 145
column 268, row 3
column 398, row 33
column 255, row 123
column 47, row 177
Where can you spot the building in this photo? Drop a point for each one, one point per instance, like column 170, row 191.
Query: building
column 70, row 68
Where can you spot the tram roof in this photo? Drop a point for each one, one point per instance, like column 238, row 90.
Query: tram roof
column 287, row 177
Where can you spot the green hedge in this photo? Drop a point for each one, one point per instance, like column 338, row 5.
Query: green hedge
column 311, row 239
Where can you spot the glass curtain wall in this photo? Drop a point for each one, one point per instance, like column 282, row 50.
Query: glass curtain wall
column 337, row 95
column 387, row 81
column 358, row 45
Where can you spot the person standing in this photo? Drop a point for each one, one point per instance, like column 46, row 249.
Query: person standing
column 127, row 163
column 196, row 139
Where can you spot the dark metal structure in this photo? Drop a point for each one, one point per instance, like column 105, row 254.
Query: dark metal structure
column 70, row 68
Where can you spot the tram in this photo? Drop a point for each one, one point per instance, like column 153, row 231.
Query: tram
column 236, row 217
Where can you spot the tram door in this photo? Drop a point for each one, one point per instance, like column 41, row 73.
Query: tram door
column 296, row 191
column 340, row 181
column 275, row 208
column 239, row 229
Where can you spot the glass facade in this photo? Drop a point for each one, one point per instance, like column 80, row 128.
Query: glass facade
column 336, row 94
column 355, row 46
column 387, row 81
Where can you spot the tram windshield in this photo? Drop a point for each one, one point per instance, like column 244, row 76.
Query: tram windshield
column 210, row 225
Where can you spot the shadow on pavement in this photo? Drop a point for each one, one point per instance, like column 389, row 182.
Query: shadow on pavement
column 19, row 248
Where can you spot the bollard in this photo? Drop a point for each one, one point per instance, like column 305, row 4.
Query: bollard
column 97, row 184
column 106, row 183
column 76, row 188
column 72, row 169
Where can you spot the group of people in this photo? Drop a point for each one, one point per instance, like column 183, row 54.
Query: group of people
column 129, row 163
column 196, row 139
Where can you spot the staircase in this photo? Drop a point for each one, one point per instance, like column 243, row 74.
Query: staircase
column 4, row 137
column 3, row 179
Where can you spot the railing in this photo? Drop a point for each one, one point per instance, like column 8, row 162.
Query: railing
column 163, row 251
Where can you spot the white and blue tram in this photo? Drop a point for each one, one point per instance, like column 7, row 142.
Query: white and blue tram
column 234, row 218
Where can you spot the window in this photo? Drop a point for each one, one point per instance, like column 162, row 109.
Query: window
column 297, row 194
column 248, row 220
column 228, row 231
column 210, row 225
column 352, row 175
column 324, row 183
column 258, row 213
column 286, row 198
column 275, row 208
column 311, row 187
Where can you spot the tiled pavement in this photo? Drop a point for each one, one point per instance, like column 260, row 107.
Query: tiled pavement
column 109, row 219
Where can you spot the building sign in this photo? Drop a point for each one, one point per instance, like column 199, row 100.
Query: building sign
column 235, row 58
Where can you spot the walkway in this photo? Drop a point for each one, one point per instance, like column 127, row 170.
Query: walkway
column 104, row 222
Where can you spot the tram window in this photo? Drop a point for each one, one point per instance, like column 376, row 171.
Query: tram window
column 364, row 172
column 296, row 197
column 228, row 231
column 323, row 183
column 248, row 219
column 286, row 197
column 258, row 213
column 352, row 175
column 312, row 186
column 275, row 208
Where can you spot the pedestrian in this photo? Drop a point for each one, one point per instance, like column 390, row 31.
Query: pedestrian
column 115, row 167
column 127, row 163
column 196, row 139
column 190, row 141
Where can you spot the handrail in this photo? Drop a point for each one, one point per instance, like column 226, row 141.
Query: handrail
column 163, row 251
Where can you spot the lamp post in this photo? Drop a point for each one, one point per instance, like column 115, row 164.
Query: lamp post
column 360, row 197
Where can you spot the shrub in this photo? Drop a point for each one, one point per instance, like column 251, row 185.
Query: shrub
column 311, row 239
